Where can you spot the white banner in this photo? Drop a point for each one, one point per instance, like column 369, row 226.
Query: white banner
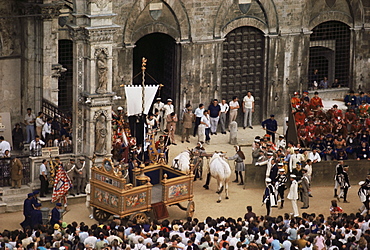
column 134, row 98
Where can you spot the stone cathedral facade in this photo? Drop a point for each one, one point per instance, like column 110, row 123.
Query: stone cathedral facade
column 77, row 54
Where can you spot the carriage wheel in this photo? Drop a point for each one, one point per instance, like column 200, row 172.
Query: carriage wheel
column 100, row 215
column 190, row 210
column 140, row 217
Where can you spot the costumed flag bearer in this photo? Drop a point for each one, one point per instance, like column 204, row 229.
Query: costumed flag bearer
column 269, row 197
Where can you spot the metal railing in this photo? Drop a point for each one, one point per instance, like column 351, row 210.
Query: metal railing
column 5, row 171
column 50, row 110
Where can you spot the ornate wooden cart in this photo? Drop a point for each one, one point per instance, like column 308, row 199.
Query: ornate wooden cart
column 153, row 185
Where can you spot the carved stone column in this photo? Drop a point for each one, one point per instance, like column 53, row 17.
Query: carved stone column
column 93, row 69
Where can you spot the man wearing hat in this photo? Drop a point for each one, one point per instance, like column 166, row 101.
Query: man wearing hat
column 80, row 175
column 167, row 109
column 305, row 189
column 55, row 214
column 269, row 197
column 295, row 101
column 363, row 195
column 344, row 184
column 70, row 170
column 280, row 183
column 281, row 142
column 269, row 162
column 35, row 199
column 158, row 106
column 293, row 194
column 27, row 210
column 271, row 126
column 36, row 216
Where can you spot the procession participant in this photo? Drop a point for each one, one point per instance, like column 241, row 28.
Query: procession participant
column 305, row 189
column 363, row 195
column 198, row 153
column 344, row 184
column 293, row 194
column 295, row 102
column 187, row 123
column 80, row 174
column 70, row 170
column 43, row 178
column 270, row 125
column 224, row 109
column 280, row 184
column 294, row 158
column 55, row 214
column 167, row 109
column 269, row 198
column 36, row 216
column 16, row 172
column 239, row 158
column 27, row 210
column 171, row 120
column 338, row 171
column 158, row 107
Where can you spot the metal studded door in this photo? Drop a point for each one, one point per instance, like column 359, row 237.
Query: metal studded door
column 243, row 68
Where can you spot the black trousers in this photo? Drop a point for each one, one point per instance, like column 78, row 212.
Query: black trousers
column 44, row 185
column 281, row 190
column 197, row 122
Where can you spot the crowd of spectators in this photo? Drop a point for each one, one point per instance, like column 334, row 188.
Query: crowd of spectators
column 337, row 231
column 335, row 134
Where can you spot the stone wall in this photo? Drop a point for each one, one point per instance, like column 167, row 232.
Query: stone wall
column 322, row 173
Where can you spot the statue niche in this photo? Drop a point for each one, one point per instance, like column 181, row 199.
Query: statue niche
column 101, row 134
column 102, row 72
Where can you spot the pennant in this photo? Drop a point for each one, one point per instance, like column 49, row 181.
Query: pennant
column 62, row 184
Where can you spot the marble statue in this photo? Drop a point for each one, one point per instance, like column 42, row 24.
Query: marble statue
column 101, row 134
column 102, row 69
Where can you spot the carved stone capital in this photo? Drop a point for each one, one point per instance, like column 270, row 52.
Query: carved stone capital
column 101, row 4
column 100, row 50
column 101, row 34
column 77, row 33
column 50, row 11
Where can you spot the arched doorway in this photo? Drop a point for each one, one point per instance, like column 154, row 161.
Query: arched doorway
column 243, row 68
column 330, row 52
column 160, row 50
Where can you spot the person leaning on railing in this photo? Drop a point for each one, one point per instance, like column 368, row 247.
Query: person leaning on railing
column 36, row 145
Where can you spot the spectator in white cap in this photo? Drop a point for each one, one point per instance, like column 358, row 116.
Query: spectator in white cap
column 281, row 142
column 167, row 109
column 269, row 198
column 293, row 194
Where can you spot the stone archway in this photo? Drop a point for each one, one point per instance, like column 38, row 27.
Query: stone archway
column 160, row 50
column 268, row 8
column 180, row 21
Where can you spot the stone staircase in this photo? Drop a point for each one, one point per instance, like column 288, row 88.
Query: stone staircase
column 11, row 200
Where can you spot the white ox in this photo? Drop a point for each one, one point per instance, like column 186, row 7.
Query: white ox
column 182, row 161
column 220, row 170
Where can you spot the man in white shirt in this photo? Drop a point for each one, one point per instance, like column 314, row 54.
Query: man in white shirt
column 206, row 120
column 46, row 130
column 43, row 178
column 4, row 146
column 36, row 145
column 314, row 156
column 248, row 109
column 198, row 115
column 167, row 109
column 293, row 194
column 281, row 142
column 234, row 106
column 224, row 109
